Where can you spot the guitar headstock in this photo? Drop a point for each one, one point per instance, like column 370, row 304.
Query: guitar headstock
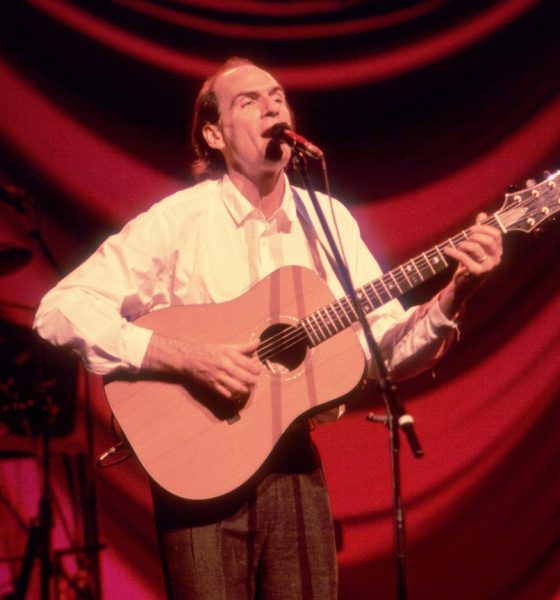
column 526, row 209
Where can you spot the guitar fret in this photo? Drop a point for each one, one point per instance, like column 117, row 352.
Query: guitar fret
column 412, row 273
column 309, row 333
column 350, row 310
column 315, row 329
column 403, row 270
column 371, row 287
column 334, row 315
column 425, row 268
column 382, row 282
column 368, row 299
column 325, row 324
column 413, row 261
column 328, row 321
column 405, row 284
column 364, row 300
column 394, row 284
column 429, row 263
column 321, row 325
column 344, row 313
column 379, row 291
column 334, row 308
column 442, row 256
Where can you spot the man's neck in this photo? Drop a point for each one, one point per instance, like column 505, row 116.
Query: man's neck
column 264, row 193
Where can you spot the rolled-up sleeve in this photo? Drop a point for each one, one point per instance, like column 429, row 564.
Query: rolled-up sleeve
column 410, row 341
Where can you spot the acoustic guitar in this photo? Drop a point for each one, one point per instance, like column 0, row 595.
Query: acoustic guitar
column 197, row 446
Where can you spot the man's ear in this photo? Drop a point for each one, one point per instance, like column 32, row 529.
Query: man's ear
column 213, row 136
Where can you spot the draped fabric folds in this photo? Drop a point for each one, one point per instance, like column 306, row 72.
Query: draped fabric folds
column 427, row 110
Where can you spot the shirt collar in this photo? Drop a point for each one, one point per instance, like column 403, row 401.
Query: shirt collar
column 240, row 208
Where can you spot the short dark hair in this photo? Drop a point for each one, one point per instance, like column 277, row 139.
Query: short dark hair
column 209, row 163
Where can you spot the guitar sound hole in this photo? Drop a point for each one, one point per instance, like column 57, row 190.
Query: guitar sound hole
column 282, row 348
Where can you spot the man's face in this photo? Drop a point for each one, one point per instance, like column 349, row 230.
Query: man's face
column 250, row 101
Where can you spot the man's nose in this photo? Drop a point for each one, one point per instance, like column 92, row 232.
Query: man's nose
column 270, row 107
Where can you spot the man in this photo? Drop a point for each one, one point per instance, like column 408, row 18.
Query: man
column 273, row 537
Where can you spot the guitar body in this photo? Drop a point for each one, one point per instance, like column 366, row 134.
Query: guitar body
column 186, row 438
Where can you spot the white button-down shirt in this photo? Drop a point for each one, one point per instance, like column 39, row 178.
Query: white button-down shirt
column 208, row 244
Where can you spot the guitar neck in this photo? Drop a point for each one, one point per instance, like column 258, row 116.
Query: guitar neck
column 523, row 211
column 331, row 319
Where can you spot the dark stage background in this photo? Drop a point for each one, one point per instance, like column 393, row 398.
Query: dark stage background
column 428, row 111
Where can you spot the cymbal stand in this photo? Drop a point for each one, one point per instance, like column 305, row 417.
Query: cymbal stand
column 39, row 536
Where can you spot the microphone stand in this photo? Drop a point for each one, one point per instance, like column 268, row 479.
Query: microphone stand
column 396, row 417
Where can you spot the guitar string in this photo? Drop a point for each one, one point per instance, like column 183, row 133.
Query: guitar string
column 296, row 336
column 282, row 341
column 298, row 333
column 342, row 310
column 286, row 339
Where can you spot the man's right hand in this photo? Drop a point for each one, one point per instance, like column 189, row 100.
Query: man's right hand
column 228, row 369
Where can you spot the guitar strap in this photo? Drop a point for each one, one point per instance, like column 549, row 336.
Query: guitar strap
column 313, row 240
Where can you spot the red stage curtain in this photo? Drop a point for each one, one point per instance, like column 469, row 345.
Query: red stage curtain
column 427, row 111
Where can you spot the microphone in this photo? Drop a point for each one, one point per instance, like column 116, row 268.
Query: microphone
column 283, row 133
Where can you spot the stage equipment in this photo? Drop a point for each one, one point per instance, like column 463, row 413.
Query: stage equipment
column 37, row 393
column 38, row 387
column 12, row 258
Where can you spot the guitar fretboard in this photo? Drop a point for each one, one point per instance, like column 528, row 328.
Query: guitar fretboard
column 333, row 318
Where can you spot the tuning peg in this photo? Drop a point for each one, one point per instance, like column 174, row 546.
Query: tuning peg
column 546, row 174
column 531, row 182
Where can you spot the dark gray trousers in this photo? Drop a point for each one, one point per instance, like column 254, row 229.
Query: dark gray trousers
column 273, row 540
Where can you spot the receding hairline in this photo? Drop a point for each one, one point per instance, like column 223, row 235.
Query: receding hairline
column 220, row 76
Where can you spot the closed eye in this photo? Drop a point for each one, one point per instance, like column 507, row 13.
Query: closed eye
column 248, row 98
column 247, row 102
column 278, row 95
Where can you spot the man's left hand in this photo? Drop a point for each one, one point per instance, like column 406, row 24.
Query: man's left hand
column 477, row 256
